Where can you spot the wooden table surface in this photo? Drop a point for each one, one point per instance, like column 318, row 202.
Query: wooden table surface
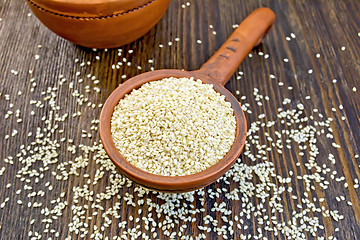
column 300, row 89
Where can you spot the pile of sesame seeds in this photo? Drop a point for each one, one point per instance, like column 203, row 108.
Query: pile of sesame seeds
column 173, row 126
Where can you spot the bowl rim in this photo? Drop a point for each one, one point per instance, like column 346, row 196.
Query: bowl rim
column 90, row 8
column 170, row 183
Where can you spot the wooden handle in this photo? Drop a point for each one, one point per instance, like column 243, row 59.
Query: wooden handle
column 250, row 33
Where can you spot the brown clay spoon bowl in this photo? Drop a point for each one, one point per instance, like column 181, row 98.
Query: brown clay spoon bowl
column 216, row 71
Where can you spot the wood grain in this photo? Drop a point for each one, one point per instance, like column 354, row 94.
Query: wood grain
column 321, row 27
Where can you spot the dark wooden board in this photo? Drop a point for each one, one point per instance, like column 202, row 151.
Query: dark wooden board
column 321, row 27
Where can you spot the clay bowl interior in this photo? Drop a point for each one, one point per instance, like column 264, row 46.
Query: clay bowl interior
column 99, row 23
column 168, row 183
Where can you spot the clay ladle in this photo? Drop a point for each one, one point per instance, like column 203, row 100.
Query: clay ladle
column 216, row 71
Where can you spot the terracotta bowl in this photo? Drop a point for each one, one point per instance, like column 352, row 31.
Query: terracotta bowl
column 99, row 23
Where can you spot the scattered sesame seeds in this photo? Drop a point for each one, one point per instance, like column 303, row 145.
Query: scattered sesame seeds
column 14, row 72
